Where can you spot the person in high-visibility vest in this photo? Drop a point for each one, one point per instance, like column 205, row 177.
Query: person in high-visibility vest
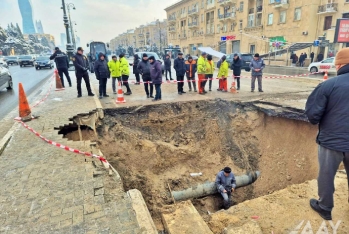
column 201, row 72
column 223, row 75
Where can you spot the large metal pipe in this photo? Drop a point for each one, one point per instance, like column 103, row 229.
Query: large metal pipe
column 210, row 188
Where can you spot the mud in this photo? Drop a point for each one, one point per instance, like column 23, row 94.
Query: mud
column 154, row 147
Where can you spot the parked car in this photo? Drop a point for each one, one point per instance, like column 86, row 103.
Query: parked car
column 324, row 65
column 156, row 56
column 25, row 60
column 3, row 63
column 10, row 60
column 43, row 62
column 246, row 60
column 5, row 78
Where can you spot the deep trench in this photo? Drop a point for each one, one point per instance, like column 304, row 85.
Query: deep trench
column 159, row 145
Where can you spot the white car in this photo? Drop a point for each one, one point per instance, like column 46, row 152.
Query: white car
column 324, row 65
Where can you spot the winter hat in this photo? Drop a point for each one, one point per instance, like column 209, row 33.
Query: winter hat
column 190, row 57
column 209, row 57
column 203, row 53
column 236, row 54
column 145, row 55
column 121, row 55
column 180, row 53
column 114, row 56
column 224, row 58
column 256, row 55
column 342, row 57
column 56, row 48
column 152, row 58
column 227, row 169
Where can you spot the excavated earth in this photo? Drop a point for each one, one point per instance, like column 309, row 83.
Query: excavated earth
column 157, row 146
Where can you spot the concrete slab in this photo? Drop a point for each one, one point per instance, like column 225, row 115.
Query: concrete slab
column 142, row 213
column 249, row 227
column 184, row 218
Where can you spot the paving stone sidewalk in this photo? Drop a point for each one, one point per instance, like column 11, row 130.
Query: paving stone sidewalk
column 45, row 189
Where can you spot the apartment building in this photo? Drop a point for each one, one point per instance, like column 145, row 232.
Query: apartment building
column 144, row 36
column 253, row 25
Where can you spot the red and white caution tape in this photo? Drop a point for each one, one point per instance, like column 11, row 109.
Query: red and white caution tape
column 67, row 148
column 46, row 96
column 196, row 80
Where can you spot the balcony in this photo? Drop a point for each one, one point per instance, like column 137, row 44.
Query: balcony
column 172, row 29
column 193, row 24
column 193, row 12
column 141, row 35
column 210, row 6
column 171, row 19
column 329, row 8
column 281, row 4
column 227, row 16
column 226, row 2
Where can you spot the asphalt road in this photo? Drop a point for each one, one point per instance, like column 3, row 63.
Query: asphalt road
column 31, row 80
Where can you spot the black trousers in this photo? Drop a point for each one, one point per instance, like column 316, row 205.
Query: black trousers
column 148, row 85
column 180, row 83
column 137, row 77
column 209, row 79
column 237, row 80
column 169, row 71
column 124, row 79
column 66, row 73
column 79, row 77
column 103, row 86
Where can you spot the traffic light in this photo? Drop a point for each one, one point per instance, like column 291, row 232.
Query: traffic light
column 316, row 43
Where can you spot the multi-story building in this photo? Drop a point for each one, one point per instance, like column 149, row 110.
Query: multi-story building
column 253, row 25
column 142, row 37
column 39, row 28
column 26, row 9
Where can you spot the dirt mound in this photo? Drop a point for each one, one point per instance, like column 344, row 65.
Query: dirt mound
column 160, row 145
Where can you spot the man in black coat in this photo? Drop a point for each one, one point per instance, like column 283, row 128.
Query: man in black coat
column 328, row 107
column 135, row 68
column 168, row 66
column 312, row 56
column 81, row 67
column 62, row 64
column 179, row 66
column 102, row 74
column 236, row 67
column 144, row 69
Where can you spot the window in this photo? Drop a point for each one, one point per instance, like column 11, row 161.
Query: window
column 241, row 6
column 270, row 19
column 232, row 26
column 251, row 20
column 328, row 22
column 202, row 4
column 271, row 1
column 224, row 28
column 240, row 25
column 218, row 28
column 202, row 18
column 297, row 13
column 282, row 17
column 252, row 49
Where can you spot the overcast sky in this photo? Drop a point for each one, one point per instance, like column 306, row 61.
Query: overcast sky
column 96, row 19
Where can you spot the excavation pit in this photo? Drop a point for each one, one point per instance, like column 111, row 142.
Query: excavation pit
column 155, row 147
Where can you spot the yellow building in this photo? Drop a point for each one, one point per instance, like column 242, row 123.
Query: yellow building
column 253, row 26
column 144, row 36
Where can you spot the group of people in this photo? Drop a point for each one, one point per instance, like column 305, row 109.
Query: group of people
column 301, row 60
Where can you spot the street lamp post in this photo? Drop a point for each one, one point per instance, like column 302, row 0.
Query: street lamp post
column 69, row 47
column 160, row 36
column 69, row 5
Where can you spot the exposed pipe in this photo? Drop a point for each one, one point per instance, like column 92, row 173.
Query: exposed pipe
column 210, row 188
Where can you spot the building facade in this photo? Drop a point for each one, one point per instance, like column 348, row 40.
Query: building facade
column 253, row 26
column 153, row 34
column 25, row 7
column 39, row 28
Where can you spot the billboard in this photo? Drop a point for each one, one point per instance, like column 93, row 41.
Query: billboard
column 342, row 31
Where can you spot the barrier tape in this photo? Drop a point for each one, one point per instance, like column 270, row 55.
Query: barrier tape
column 63, row 146
column 196, row 80
column 46, row 96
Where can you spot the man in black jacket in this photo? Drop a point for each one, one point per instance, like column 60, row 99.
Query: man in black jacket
column 62, row 64
column 236, row 65
column 144, row 70
column 135, row 68
column 179, row 66
column 102, row 74
column 81, row 67
column 168, row 66
column 328, row 107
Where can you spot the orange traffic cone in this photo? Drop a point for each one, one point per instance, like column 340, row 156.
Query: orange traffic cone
column 24, row 109
column 120, row 98
column 59, row 85
column 233, row 88
column 325, row 76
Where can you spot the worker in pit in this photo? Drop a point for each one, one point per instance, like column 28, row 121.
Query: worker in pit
column 226, row 184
